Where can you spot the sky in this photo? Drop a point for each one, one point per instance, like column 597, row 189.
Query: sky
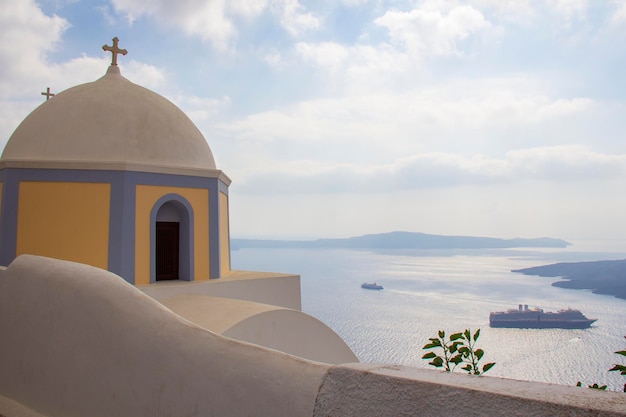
column 337, row 118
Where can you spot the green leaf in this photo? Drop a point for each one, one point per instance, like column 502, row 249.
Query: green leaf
column 579, row 384
column 431, row 345
column 438, row 362
column 456, row 359
column 479, row 353
column 620, row 368
column 476, row 335
column 442, row 334
column 488, row 366
column 456, row 336
column 429, row 355
column 621, row 352
column 467, row 334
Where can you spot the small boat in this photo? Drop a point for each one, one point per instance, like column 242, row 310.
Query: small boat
column 371, row 286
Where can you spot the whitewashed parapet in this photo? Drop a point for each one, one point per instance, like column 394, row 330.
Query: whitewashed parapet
column 378, row 390
column 81, row 341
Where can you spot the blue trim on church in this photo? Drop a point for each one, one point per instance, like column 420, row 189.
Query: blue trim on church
column 121, row 259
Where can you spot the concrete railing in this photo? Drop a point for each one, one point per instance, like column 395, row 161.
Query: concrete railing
column 79, row 341
column 370, row 390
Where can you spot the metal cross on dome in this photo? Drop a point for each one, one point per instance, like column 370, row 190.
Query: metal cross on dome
column 47, row 93
column 115, row 50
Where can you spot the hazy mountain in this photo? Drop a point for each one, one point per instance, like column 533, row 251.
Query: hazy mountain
column 405, row 240
column 602, row 277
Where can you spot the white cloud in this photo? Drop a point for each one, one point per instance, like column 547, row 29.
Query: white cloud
column 293, row 17
column 359, row 68
column 26, row 38
column 430, row 32
column 445, row 135
column 569, row 9
column 618, row 16
column 106, row 14
column 246, row 8
column 507, row 8
column 565, row 163
column 413, row 37
column 354, row 3
column 329, row 55
column 205, row 19
column 561, row 164
column 524, row 12
column 212, row 20
column 274, row 59
column 147, row 76
column 201, row 109
column 454, row 109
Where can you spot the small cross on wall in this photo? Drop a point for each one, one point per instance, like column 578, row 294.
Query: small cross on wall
column 115, row 50
column 47, row 93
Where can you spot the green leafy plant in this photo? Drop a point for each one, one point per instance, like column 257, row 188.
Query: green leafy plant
column 620, row 368
column 458, row 350
column 593, row 386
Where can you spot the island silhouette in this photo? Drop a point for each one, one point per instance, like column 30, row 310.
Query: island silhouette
column 601, row 277
column 405, row 240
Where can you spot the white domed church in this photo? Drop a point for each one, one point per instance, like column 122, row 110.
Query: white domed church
column 113, row 175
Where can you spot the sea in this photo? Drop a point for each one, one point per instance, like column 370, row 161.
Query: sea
column 452, row 290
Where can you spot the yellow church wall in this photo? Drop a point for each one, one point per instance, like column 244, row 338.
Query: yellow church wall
column 64, row 220
column 146, row 196
column 224, row 235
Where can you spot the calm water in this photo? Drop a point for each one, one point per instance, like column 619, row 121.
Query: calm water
column 428, row 290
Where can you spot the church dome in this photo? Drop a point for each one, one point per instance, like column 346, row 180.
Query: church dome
column 110, row 121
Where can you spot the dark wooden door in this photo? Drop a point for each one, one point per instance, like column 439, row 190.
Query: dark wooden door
column 167, row 246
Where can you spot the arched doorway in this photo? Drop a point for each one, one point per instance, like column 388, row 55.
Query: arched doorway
column 167, row 243
column 171, row 254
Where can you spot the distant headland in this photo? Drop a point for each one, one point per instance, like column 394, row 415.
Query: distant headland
column 601, row 277
column 405, row 240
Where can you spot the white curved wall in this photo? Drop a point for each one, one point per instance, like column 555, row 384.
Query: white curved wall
column 293, row 332
column 274, row 327
column 80, row 341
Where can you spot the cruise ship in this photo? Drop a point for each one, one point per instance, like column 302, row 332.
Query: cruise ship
column 536, row 318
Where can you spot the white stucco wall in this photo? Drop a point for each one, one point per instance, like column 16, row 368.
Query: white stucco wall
column 259, row 287
column 378, row 390
column 80, row 341
column 274, row 327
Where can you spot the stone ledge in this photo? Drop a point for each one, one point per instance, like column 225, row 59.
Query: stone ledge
column 277, row 289
column 383, row 390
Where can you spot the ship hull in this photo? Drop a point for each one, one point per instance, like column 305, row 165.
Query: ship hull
column 371, row 286
column 539, row 324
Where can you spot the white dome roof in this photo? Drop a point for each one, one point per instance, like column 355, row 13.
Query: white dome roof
column 110, row 120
